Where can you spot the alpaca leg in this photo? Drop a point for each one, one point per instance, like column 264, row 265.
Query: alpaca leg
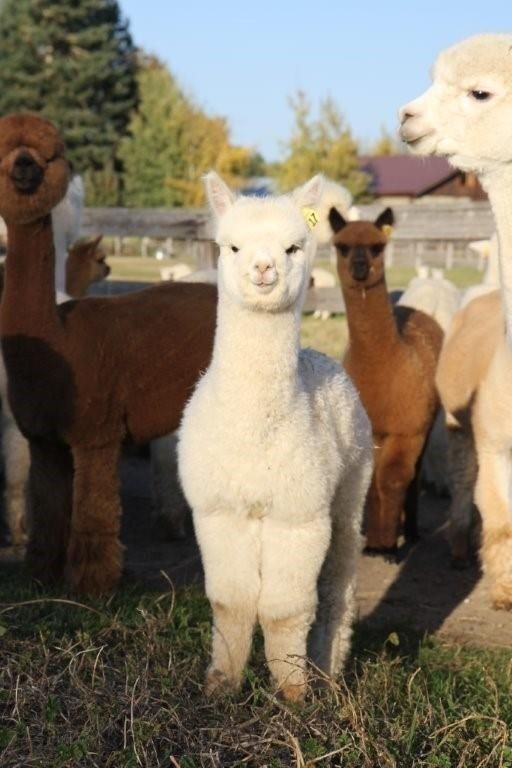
column 94, row 555
column 292, row 558
column 50, row 493
column 329, row 639
column 230, row 550
column 462, row 513
column 493, row 497
column 394, row 473
column 16, row 466
column 170, row 508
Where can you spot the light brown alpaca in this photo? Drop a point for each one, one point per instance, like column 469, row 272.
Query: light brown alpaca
column 391, row 357
column 86, row 264
column 473, row 339
column 86, row 374
column 466, row 116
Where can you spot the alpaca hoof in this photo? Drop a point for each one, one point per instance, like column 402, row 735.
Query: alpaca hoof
column 218, row 684
column 295, row 694
column 94, row 563
column 389, row 554
column 501, row 597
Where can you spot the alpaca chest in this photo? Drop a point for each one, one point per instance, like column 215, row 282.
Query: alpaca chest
column 254, row 467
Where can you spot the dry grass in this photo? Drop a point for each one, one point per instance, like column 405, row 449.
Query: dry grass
column 118, row 684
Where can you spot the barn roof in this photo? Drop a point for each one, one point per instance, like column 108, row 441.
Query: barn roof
column 406, row 174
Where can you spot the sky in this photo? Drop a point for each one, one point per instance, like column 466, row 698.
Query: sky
column 243, row 60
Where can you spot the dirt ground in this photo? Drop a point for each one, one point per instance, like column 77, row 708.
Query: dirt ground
column 421, row 592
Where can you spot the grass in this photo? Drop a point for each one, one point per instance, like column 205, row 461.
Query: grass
column 118, row 684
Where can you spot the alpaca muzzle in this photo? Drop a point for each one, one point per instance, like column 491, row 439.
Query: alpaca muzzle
column 26, row 173
column 359, row 267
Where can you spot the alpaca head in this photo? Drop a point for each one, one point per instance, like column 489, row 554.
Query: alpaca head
column 266, row 245
column 466, row 115
column 86, row 264
column 33, row 170
column 360, row 248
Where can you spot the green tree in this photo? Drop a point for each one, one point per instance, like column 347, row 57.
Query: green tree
column 73, row 61
column 172, row 143
column 152, row 152
column 323, row 145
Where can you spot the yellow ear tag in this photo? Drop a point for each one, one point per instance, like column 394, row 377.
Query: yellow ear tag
column 311, row 217
column 387, row 229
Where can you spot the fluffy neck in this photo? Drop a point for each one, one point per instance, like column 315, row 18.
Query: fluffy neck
column 28, row 302
column 255, row 356
column 498, row 185
column 371, row 323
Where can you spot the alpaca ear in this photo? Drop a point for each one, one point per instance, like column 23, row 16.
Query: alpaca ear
column 385, row 219
column 310, row 194
column 336, row 220
column 220, row 197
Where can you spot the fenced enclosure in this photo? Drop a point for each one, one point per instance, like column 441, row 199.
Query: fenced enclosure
column 437, row 233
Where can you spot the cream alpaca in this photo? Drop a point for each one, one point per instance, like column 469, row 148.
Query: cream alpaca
column 275, row 455
column 466, row 115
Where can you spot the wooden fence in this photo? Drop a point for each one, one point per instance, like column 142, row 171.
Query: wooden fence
column 438, row 234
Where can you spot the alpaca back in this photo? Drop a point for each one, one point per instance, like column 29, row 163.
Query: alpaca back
column 477, row 326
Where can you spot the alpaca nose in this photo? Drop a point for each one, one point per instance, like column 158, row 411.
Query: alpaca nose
column 26, row 174
column 359, row 267
column 263, row 266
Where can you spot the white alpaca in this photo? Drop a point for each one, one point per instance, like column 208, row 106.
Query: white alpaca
column 466, row 116
column 66, row 218
column 275, row 454
column 434, row 295
column 491, row 279
column 333, row 195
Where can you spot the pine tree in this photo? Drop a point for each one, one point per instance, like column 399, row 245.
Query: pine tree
column 323, row 145
column 73, row 61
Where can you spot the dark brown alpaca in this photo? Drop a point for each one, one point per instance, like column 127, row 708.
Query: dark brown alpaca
column 86, row 374
column 391, row 357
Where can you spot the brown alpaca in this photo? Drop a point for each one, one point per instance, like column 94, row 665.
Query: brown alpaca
column 86, row 374
column 86, row 264
column 391, row 357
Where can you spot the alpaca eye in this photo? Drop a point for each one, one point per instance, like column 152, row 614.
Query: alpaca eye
column 377, row 249
column 292, row 249
column 480, row 95
column 234, row 249
column 344, row 249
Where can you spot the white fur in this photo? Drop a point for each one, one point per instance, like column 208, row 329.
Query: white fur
column 475, row 133
column 491, row 279
column 435, row 296
column 333, row 195
column 275, row 454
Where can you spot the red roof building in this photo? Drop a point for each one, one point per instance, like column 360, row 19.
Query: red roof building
column 408, row 177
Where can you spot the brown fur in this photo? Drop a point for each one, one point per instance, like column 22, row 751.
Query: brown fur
column 86, row 264
column 84, row 375
column 391, row 357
